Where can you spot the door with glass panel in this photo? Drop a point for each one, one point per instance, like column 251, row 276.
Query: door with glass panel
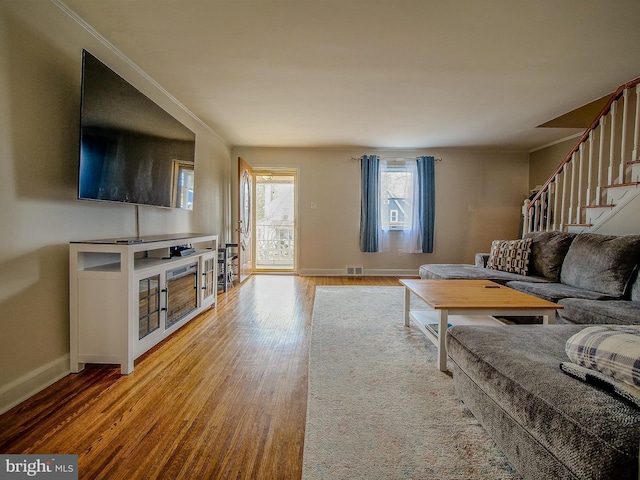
column 245, row 223
column 275, row 221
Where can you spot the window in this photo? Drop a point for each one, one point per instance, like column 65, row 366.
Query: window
column 183, row 176
column 396, row 186
column 397, row 195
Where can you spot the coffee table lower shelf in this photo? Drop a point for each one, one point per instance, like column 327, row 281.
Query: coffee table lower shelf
column 427, row 321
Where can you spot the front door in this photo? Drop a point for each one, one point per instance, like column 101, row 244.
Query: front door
column 245, row 207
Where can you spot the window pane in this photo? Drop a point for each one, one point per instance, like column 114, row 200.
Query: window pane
column 395, row 191
column 183, row 184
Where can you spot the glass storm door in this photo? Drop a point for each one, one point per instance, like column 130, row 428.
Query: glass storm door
column 275, row 222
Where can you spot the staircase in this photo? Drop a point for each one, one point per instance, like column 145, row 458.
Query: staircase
column 598, row 177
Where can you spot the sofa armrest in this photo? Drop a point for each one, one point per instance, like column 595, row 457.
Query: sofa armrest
column 482, row 259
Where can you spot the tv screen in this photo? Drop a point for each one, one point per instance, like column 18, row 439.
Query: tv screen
column 131, row 150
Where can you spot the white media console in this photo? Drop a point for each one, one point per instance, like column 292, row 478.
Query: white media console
column 129, row 294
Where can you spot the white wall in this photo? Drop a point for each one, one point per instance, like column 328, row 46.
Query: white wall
column 544, row 161
column 40, row 73
column 478, row 199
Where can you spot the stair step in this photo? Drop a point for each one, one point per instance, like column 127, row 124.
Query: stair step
column 610, row 205
column 593, row 213
column 629, row 184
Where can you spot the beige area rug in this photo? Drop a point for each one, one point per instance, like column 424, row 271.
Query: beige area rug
column 378, row 407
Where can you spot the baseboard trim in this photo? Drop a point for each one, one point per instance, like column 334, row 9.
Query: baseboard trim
column 33, row 382
column 318, row 272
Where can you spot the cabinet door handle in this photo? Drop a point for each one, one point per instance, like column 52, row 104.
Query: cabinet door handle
column 166, row 299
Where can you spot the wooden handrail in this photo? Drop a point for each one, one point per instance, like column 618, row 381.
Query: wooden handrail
column 614, row 97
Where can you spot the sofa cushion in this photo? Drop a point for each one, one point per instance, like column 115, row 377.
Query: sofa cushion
column 548, row 250
column 439, row 271
column 510, row 255
column 553, row 292
column 601, row 263
column 525, row 397
column 593, row 312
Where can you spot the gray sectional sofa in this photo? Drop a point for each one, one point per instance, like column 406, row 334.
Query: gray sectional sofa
column 594, row 277
column 549, row 424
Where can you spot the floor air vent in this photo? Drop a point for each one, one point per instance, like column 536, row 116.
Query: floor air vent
column 355, row 271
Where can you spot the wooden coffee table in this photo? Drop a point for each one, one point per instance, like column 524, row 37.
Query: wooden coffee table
column 472, row 302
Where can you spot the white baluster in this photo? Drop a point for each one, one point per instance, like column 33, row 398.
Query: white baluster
column 612, row 142
column 599, row 180
column 579, row 192
column 525, row 217
column 573, row 188
column 554, row 213
column 588, row 197
column 543, row 207
column 622, row 169
column 548, row 193
column 564, row 197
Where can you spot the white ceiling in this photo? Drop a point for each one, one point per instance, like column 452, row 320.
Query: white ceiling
column 378, row 73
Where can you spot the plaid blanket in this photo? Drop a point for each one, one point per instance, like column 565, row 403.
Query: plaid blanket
column 607, row 356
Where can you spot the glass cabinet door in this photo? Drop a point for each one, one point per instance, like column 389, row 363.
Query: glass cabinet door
column 209, row 280
column 149, row 305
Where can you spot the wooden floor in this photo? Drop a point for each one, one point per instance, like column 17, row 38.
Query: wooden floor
column 223, row 398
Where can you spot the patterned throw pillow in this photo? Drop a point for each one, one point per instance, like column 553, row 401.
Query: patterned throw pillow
column 611, row 349
column 607, row 356
column 510, row 255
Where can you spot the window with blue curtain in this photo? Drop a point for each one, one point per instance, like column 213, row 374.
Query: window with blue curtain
column 397, row 195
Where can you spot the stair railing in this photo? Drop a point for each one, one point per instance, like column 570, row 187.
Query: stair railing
column 590, row 167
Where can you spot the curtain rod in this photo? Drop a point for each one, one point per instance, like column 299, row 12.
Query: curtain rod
column 399, row 158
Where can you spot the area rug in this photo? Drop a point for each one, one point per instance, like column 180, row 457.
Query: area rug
column 378, row 408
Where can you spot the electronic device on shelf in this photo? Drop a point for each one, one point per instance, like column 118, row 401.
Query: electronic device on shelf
column 182, row 251
column 130, row 241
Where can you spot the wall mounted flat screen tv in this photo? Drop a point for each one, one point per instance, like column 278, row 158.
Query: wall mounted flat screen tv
column 131, row 149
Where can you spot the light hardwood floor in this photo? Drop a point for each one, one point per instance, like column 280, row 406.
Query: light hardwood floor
column 223, row 398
